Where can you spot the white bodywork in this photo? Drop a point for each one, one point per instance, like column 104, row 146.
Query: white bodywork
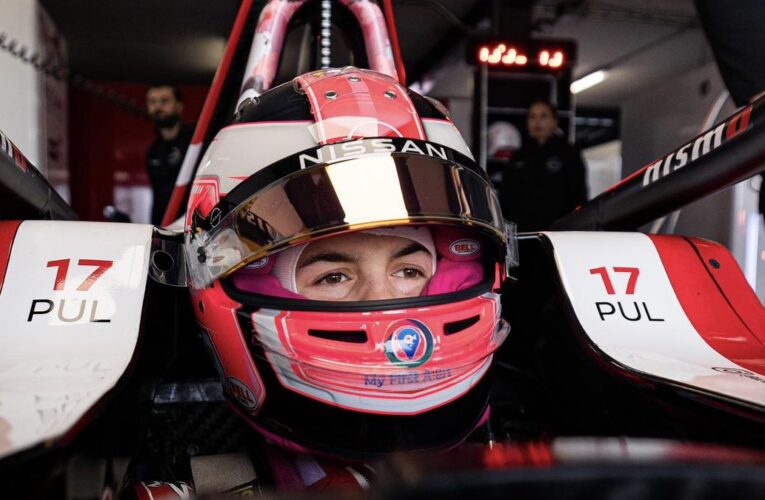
column 671, row 349
column 55, row 366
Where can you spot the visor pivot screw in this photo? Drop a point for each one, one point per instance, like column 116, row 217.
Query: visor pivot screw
column 250, row 101
column 331, row 94
column 390, row 94
column 354, row 79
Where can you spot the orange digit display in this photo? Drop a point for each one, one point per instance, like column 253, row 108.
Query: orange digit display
column 543, row 55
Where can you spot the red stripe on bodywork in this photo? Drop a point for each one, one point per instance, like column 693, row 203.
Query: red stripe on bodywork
column 7, row 234
column 716, row 298
column 724, row 269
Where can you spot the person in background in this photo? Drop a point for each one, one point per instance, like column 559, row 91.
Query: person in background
column 164, row 105
column 545, row 178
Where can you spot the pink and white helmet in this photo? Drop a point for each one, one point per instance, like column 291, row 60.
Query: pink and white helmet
column 332, row 152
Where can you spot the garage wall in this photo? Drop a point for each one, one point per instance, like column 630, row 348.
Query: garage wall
column 664, row 117
column 452, row 83
column 108, row 149
column 20, row 84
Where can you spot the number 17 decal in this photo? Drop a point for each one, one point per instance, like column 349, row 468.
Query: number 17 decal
column 63, row 268
column 634, row 272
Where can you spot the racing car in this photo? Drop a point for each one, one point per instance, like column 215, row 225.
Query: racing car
column 191, row 359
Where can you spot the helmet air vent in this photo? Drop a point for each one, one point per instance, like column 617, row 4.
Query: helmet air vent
column 458, row 326
column 351, row 336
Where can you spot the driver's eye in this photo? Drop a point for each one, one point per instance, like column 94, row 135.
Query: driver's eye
column 332, row 279
column 409, row 273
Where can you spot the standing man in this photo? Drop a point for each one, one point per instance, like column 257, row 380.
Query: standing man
column 164, row 105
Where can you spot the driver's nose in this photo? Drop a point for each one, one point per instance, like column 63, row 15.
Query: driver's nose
column 377, row 288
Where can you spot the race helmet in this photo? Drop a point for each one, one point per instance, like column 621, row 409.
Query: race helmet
column 332, row 153
column 503, row 139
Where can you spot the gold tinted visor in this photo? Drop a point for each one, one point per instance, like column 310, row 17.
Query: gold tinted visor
column 376, row 190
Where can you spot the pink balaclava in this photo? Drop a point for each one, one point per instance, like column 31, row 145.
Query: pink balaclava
column 456, row 263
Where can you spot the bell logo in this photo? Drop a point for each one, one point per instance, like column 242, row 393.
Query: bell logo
column 241, row 393
column 465, row 247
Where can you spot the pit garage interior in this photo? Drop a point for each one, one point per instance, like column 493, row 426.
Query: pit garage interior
column 661, row 84
column 632, row 81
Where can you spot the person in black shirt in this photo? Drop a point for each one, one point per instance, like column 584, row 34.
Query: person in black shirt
column 164, row 105
column 546, row 177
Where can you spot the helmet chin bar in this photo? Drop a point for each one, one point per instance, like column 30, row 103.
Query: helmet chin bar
column 356, row 367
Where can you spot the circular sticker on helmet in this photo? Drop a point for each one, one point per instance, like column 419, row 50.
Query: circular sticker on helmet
column 410, row 344
column 241, row 393
column 258, row 264
column 465, row 247
column 215, row 216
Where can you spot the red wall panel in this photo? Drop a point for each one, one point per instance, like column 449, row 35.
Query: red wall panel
column 108, row 144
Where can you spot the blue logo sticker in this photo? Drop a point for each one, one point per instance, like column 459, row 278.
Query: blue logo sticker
column 410, row 344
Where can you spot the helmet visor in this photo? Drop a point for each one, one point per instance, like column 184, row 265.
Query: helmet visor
column 381, row 183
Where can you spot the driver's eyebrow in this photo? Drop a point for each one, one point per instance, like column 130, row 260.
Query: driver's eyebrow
column 329, row 257
column 409, row 250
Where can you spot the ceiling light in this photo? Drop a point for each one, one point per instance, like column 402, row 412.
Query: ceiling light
column 588, row 81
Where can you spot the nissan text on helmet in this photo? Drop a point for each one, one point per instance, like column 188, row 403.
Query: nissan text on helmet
column 345, row 254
